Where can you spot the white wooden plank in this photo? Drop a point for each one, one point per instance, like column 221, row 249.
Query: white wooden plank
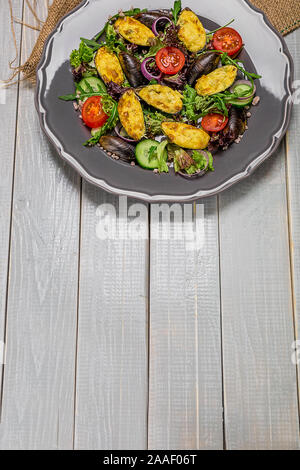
column 112, row 372
column 185, row 397
column 39, row 375
column 8, row 108
column 293, row 173
column 260, row 389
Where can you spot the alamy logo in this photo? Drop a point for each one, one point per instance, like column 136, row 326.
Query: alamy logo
column 168, row 222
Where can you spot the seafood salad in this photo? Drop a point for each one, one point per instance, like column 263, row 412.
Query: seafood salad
column 158, row 90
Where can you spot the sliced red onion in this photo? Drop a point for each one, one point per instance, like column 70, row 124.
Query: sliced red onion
column 154, row 25
column 198, row 173
column 145, row 72
column 118, row 130
column 243, row 82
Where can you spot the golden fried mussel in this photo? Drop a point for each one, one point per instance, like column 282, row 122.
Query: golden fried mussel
column 191, row 31
column 162, row 97
column 108, row 66
column 216, row 81
column 131, row 115
column 134, row 31
column 185, row 136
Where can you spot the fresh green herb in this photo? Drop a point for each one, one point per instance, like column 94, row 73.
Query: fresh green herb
column 153, row 122
column 189, row 109
column 153, row 82
column 154, row 48
column 196, row 107
column 200, row 162
column 176, row 10
column 75, row 59
column 90, row 72
column 180, row 157
column 226, row 60
column 209, row 104
column 113, row 41
column 110, row 107
column 70, row 97
column 191, row 164
column 209, row 34
column 83, row 94
column 162, row 156
column 110, row 123
column 90, row 43
column 152, row 152
column 126, row 83
column 132, row 12
column 83, row 55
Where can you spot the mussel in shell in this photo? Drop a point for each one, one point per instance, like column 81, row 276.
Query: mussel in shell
column 117, row 146
column 148, row 17
column 132, row 68
column 236, row 124
column 203, row 65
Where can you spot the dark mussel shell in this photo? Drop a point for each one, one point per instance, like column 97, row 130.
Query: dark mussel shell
column 203, row 65
column 148, row 17
column 119, row 147
column 236, row 124
column 132, row 69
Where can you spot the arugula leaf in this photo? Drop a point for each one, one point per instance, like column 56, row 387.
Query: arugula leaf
column 91, row 43
column 176, row 10
column 70, row 97
column 226, row 60
column 210, row 34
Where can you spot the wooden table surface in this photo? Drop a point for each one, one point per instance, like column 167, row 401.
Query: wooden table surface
column 136, row 344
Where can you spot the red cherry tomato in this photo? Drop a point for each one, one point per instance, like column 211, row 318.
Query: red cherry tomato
column 170, row 60
column 92, row 112
column 227, row 40
column 214, row 122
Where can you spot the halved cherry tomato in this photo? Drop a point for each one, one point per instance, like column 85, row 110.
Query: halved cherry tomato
column 227, row 40
column 170, row 60
column 92, row 112
column 214, row 122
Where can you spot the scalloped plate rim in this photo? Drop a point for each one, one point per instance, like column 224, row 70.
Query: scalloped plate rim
column 276, row 137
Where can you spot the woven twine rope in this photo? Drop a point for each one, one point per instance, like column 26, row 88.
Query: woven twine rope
column 56, row 11
column 283, row 14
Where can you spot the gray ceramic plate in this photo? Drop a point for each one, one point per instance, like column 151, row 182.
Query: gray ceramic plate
column 265, row 52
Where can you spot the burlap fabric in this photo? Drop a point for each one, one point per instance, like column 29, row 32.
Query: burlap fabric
column 283, row 14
